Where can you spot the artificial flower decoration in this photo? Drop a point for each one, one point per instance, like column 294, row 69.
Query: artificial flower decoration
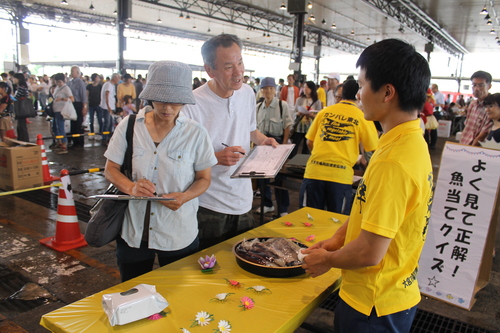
column 309, row 217
column 221, row 297
column 307, row 224
column 310, row 238
column 234, row 283
column 258, row 289
column 247, row 303
column 223, row 327
column 202, row 318
column 207, row 263
column 288, row 224
column 293, row 239
column 159, row 315
column 335, row 220
column 184, row 330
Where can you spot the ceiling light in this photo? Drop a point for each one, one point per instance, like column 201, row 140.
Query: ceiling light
column 181, row 15
column 283, row 7
column 91, row 6
column 497, row 38
column 279, row 44
column 310, row 5
column 492, row 31
column 324, row 22
column 334, row 26
column 64, row 2
column 487, row 17
column 158, row 20
column 268, row 35
column 115, row 12
column 264, row 34
column 127, row 25
column 367, row 39
column 194, row 26
column 484, row 11
column 208, row 30
column 113, row 23
column 352, row 32
column 312, row 18
column 188, row 17
column 269, row 42
column 489, row 22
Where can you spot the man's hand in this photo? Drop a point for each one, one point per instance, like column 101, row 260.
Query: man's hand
column 270, row 142
column 316, row 262
column 230, row 155
column 180, row 199
column 143, row 188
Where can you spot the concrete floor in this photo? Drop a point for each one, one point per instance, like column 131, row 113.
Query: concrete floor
column 54, row 279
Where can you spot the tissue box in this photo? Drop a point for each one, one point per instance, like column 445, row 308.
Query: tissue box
column 137, row 303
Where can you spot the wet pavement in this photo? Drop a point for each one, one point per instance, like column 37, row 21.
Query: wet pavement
column 35, row 280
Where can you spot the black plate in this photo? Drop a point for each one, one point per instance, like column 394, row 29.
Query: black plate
column 278, row 272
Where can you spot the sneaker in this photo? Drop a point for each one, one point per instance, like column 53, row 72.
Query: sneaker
column 53, row 145
column 266, row 210
column 256, row 194
column 61, row 151
column 91, row 137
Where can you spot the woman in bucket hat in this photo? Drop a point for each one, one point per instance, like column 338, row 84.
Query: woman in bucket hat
column 172, row 158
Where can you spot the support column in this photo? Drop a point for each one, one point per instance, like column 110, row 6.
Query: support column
column 124, row 13
column 317, row 53
column 298, row 44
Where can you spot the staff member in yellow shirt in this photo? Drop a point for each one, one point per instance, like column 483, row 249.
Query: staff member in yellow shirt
column 379, row 246
column 322, row 92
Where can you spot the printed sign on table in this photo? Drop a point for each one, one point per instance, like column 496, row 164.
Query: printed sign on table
column 464, row 202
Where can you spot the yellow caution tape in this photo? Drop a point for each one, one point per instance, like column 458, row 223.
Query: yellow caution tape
column 94, row 170
column 30, row 189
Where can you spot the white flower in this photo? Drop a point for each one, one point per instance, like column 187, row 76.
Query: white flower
column 203, row 318
column 259, row 288
column 309, row 217
column 185, row 330
column 222, row 296
column 224, row 326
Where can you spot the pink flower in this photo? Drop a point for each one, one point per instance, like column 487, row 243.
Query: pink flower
column 247, row 303
column 156, row 316
column 207, row 262
column 307, row 224
column 310, row 238
column 288, row 224
column 294, row 239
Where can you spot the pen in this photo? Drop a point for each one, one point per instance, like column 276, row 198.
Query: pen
column 154, row 193
column 235, row 151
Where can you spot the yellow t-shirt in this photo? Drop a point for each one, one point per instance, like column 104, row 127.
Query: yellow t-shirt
column 393, row 200
column 123, row 91
column 322, row 95
column 337, row 131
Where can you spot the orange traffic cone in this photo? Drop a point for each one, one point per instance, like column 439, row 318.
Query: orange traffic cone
column 11, row 133
column 68, row 234
column 47, row 177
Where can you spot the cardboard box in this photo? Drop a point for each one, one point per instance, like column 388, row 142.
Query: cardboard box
column 20, row 165
column 444, row 129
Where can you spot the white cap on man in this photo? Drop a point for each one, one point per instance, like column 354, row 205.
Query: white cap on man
column 333, row 75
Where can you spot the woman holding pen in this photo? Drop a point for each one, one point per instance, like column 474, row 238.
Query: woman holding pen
column 172, row 158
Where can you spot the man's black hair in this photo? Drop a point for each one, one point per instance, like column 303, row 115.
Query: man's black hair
column 482, row 75
column 350, row 89
column 395, row 62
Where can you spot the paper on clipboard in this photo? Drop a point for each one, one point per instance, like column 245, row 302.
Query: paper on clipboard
column 263, row 161
column 128, row 197
column 304, row 111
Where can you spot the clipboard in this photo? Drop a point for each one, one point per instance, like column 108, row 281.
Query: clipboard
column 127, row 197
column 263, row 161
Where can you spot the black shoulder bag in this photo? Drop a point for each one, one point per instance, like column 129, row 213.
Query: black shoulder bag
column 106, row 216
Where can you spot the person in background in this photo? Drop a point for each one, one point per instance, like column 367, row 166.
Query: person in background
column 225, row 106
column 22, row 93
column 5, row 78
column 273, row 120
column 491, row 139
column 322, row 92
column 5, row 102
column 309, row 100
column 79, row 91
column 379, row 245
column 62, row 94
column 196, row 83
column 477, row 120
column 439, row 97
column 430, row 120
column 337, row 93
column 94, row 98
column 43, row 91
column 108, row 104
column 203, row 80
column 461, row 101
column 281, row 84
column 290, row 92
column 138, row 89
column 33, row 87
column 124, row 88
column 128, row 106
column 333, row 82
column 172, row 158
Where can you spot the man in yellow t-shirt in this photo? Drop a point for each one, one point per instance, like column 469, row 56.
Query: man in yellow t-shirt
column 322, row 92
column 334, row 139
column 379, row 246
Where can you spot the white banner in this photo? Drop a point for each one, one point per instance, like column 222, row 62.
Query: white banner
column 463, row 206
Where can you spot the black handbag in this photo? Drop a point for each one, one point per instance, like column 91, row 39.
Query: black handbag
column 49, row 110
column 23, row 108
column 106, row 216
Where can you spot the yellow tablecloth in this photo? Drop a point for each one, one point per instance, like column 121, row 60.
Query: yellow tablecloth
column 188, row 290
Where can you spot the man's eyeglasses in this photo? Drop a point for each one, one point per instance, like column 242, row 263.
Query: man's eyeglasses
column 478, row 85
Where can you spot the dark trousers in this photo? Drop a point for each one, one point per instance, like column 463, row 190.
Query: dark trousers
column 348, row 320
column 98, row 112
column 297, row 138
column 22, row 129
column 76, row 125
column 216, row 227
column 319, row 194
column 431, row 137
column 282, row 196
column 134, row 262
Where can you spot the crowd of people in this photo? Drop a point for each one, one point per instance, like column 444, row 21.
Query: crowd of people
column 190, row 135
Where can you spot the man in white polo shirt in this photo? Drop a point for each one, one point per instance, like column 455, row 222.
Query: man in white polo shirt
column 226, row 108
column 333, row 82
